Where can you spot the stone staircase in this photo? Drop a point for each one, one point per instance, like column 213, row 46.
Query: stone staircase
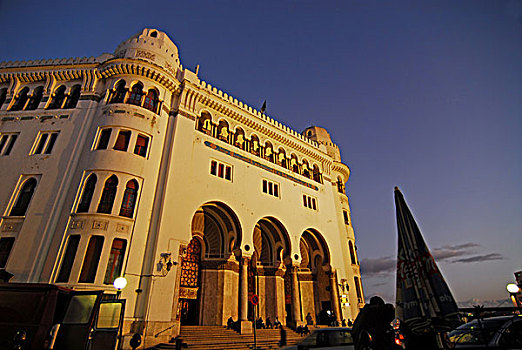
column 220, row 338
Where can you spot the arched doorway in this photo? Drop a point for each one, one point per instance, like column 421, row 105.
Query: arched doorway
column 314, row 278
column 190, row 283
column 216, row 236
column 271, row 250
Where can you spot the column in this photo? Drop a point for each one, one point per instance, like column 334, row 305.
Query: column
column 296, row 302
column 245, row 325
column 334, row 295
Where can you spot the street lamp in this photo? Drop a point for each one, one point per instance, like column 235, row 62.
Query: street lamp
column 513, row 290
column 119, row 283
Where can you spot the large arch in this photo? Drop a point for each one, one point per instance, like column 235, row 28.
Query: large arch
column 272, row 250
column 315, row 274
column 209, row 268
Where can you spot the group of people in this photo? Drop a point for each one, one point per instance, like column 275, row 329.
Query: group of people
column 234, row 325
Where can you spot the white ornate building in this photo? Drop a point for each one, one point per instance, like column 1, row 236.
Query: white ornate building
column 128, row 164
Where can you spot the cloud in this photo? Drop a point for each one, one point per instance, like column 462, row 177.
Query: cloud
column 479, row 258
column 464, row 253
column 379, row 266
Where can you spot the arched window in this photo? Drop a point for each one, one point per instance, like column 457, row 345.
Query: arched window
column 58, row 98
column 91, row 260
column 88, row 191
column 223, row 133
column 136, row 94
column 3, row 96
column 269, row 152
column 35, row 99
column 239, row 138
column 24, row 198
column 254, row 145
column 281, row 158
column 118, row 95
column 316, row 173
column 294, row 164
column 204, row 123
column 115, row 264
column 108, row 195
column 340, row 185
column 306, row 170
column 151, row 101
column 129, row 199
column 21, row 99
column 74, row 96
column 352, row 253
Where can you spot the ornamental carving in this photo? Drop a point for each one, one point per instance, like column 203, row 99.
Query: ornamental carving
column 188, row 293
column 145, row 54
column 77, row 224
column 100, row 225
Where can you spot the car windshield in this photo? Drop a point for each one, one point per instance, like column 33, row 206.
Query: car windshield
column 476, row 332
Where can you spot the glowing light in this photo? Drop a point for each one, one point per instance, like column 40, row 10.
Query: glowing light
column 512, row 288
column 120, row 283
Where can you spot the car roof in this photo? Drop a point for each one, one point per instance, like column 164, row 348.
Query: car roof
column 491, row 321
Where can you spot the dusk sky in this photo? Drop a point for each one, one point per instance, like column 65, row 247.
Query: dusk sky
column 424, row 95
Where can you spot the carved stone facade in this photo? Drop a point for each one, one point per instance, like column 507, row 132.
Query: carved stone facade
column 128, row 164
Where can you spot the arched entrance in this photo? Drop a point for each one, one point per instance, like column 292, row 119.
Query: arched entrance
column 190, row 283
column 314, row 277
column 271, row 250
column 216, row 236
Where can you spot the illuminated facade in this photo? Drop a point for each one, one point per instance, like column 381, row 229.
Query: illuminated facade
column 129, row 164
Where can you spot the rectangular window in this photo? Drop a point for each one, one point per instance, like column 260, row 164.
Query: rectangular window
column 103, row 140
column 122, row 142
column 115, row 263
column 221, row 170
column 309, row 202
column 142, row 142
column 7, row 142
column 68, row 259
column 6, row 244
column 271, row 188
column 45, row 142
column 346, row 220
column 91, row 260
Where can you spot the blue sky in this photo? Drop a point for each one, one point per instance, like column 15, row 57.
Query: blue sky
column 425, row 95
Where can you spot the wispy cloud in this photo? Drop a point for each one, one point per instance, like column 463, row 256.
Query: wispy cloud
column 480, row 258
column 464, row 253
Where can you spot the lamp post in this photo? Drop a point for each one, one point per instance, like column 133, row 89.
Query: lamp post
column 119, row 283
column 513, row 290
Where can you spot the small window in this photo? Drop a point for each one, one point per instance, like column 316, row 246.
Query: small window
column 103, row 140
column 129, row 199
column 136, row 94
column 46, row 142
column 271, row 188
column 3, row 96
column 24, row 198
column 7, row 142
column 358, row 289
column 151, row 101
column 91, row 260
column 309, row 202
column 58, row 98
column 21, row 99
column 122, row 142
column 74, row 96
column 68, row 258
column 142, row 142
column 340, row 185
column 108, row 195
column 352, row 253
column 87, row 194
column 118, row 95
column 115, row 264
column 35, row 99
column 221, row 170
column 6, row 244
column 346, row 219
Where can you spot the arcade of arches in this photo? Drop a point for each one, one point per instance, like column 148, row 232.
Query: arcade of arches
column 217, row 278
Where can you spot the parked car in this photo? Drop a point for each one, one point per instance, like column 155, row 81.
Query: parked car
column 36, row 316
column 326, row 338
column 502, row 332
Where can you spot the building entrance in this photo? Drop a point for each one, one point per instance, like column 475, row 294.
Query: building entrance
column 190, row 284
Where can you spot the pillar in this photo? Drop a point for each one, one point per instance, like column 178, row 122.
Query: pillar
column 245, row 324
column 334, row 295
column 296, row 301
